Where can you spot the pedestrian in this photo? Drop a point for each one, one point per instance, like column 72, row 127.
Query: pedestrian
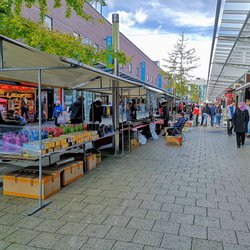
column 128, row 108
column 240, row 120
column 248, row 108
column 133, row 111
column 76, row 110
column 218, row 112
column 229, row 113
column 212, row 114
column 57, row 111
column 205, row 113
column 24, row 108
column 165, row 116
column 196, row 114
column 96, row 112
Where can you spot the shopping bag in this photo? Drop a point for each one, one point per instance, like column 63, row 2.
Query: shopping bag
column 152, row 131
column 141, row 138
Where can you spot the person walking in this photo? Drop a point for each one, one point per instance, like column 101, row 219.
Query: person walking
column 248, row 108
column 205, row 114
column 24, row 108
column 240, row 120
column 229, row 113
column 212, row 114
column 196, row 114
column 58, row 109
column 165, row 116
column 96, row 112
column 76, row 110
column 218, row 112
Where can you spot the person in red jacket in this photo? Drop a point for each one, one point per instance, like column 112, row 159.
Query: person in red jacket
column 196, row 114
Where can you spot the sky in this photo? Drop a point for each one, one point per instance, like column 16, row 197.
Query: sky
column 154, row 26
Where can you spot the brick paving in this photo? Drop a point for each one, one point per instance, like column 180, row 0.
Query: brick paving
column 194, row 197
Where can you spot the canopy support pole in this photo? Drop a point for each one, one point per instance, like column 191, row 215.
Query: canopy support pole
column 122, row 112
column 40, row 203
column 1, row 54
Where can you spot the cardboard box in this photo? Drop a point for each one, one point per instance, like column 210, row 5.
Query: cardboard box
column 174, row 140
column 27, row 184
column 72, row 172
column 91, row 161
column 98, row 158
column 134, row 143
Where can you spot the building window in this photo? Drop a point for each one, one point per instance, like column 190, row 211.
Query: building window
column 151, row 79
column 96, row 46
column 147, row 77
column 48, row 22
column 130, row 68
column 86, row 41
column 137, row 71
column 76, row 35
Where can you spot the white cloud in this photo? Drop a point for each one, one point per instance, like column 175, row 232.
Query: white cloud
column 140, row 16
column 190, row 19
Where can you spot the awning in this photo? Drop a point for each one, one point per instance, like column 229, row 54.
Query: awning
column 243, row 87
column 56, row 71
column 231, row 57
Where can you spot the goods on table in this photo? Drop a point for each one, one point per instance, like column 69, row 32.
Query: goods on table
column 27, row 184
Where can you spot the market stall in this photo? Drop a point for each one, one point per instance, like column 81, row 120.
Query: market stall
column 19, row 62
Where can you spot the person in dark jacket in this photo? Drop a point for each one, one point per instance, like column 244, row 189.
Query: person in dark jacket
column 95, row 114
column 165, row 116
column 212, row 114
column 240, row 120
column 76, row 110
column 176, row 129
column 205, row 113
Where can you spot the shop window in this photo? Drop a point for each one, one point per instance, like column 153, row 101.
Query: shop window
column 151, row 79
column 76, row 35
column 137, row 71
column 48, row 22
column 130, row 68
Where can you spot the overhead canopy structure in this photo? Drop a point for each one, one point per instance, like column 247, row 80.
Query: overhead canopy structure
column 231, row 57
column 57, row 71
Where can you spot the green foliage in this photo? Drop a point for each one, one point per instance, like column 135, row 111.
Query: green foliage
column 194, row 92
column 181, row 61
column 15, row 6
column 62, row 44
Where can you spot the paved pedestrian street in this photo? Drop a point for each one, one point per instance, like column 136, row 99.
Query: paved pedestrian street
column 157, row 197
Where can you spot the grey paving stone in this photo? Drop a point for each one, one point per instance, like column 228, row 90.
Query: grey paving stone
column 111, row 201
column 97, row 243
column 157, row 215
column 166, row 227
column 193, row 231
column 219, row 213
column 230, row 206
column 154, row 248
column 195, row 210
column 92, row 191
column 28, row 222
column 6, row 230
column 135, row 212
column 158, row 191
column 74, row 216
column 95, row 219
column 46, row 240
column 70, row 242
column 91, row 199
column 74, row 206
column 176, row 242
column 165, row 198
column 72, row 228
column 223, row 235
column 131, row 203
column 156, row 205
column 127, row 195
column 114, row 220
column 199, row 244
column 4, row 244
column 234, row 247
column 234, row 225
column 243, row 238
column 206, row 221
column 177, row 193
column 206, row 203
column 114, row 210
column 172, row 208
column 53, row 214
column 119, row 245
column 10, row 219
column 148, row 238
column 139, row 223
column 182, row 218
column 121, row 233
column 185, row 201
column 93, row 208
column 15, row 246
column 50, row 226
column 145, row 196
column 93, row 230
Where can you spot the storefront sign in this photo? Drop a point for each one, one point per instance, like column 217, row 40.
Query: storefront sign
column 15, row 88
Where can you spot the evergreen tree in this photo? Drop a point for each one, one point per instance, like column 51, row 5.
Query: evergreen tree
column 181, row 61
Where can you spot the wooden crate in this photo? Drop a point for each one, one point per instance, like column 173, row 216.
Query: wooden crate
column 98, row 158
column 71, row 172
column 27, row 184
column 91, row 161
column 174, row 140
